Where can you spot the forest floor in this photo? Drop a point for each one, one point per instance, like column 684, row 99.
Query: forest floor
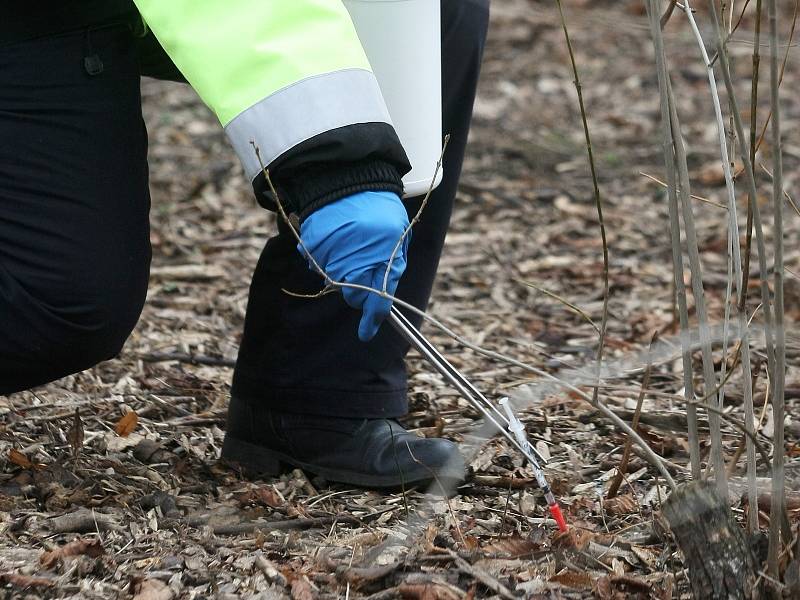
column 122, row 461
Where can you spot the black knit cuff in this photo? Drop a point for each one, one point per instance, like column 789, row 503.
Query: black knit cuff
column 322, row 184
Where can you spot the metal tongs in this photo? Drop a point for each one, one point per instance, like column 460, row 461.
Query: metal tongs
column 507, row 424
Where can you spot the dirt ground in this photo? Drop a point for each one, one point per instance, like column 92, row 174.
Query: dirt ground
column 152, row 513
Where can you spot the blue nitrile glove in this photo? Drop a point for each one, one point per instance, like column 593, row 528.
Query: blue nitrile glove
column 352, row 240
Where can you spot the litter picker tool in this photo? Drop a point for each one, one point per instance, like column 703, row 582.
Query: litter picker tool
column 507, row 424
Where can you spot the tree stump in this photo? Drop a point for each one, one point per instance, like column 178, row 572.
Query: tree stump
column 720, row 562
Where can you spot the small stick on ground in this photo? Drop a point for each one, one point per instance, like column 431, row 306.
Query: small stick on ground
column 482, row 576
column 192, row 359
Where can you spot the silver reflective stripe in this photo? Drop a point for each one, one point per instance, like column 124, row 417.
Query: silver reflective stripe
column 302, row 110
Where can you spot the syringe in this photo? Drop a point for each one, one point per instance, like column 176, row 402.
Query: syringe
column 516, row 427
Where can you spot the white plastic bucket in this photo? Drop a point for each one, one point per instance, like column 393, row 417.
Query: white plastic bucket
column 402, row 39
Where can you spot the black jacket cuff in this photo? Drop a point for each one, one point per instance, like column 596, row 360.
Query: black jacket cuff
column 363, row 157
column 323, row 184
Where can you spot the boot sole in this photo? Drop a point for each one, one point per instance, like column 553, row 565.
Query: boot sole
column 255, row 459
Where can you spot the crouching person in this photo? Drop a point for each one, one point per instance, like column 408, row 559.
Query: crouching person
column 318, row 383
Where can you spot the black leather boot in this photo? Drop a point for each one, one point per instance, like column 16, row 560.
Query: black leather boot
column 362, row 452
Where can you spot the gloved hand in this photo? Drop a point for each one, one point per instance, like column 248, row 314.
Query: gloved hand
column 352, row 240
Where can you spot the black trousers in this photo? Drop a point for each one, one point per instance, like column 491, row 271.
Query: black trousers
column 74, row 232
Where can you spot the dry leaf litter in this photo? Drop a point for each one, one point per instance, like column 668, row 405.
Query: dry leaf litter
column 110, row 484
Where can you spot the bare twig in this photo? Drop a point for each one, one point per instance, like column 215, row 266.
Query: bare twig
column 763, row 133
column 417, row 216
column 751, row 183
column 786, row 195
column 692, row 196
column 675, row 233
column 692, row 246
column 668, row 13
column 752, row 516
column 597, row 198
column 482, row 576
column 563, row 301
column 733, row 239
column 779, row 376
column 505, row 509
column 185, row 357
column 741, row 17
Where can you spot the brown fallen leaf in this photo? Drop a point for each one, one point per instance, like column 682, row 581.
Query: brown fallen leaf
column 19, row 459
column 89, row 547
column 266, row 495
column 575, row 538
column 572, row 579
column 150, row 451
column 429, row 537
column 126, row 424
column 631, row 583
column 621, row 505
column 471, row 542
column 152, row 589
column 511, row 547
column 358, row 576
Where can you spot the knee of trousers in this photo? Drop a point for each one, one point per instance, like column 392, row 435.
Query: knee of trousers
column 101, row 332
column 103, row 336
column 73, row 329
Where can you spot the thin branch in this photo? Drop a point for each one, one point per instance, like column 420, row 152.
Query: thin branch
column 692, row 246
column 286, row 219
column 597, row 198
column 187, row 357
column 668, row 13
column 777, row 505
column 675, row 234
column 417, row 216
column 786, row 195
column 752, row 194
column 563, row 301
column 771, row 327
column 741, row 16
column 692, row 196
column 752, row 515
column 763, row 134
column 733, row 238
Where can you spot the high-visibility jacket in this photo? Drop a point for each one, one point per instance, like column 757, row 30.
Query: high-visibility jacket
column 290, row 78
